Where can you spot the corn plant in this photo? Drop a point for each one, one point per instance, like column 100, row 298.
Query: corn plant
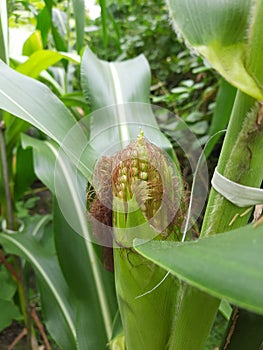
column 168, row 287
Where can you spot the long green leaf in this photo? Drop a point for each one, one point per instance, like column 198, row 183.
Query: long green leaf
column 59, row 29
column 71, row 216
column 112, row 80
column 255, row 46
column 9, row 313
column 75, row 99
column 33, row 102
column 41, row 60
column 228, row 34
column 72, row 201
column 44, row 159
column 119, row 94
column 79, row 14
column 24, row 175
column 226, row 266
column 32, row 44
column 55, row 294
column 78, row 272
column 44, row 21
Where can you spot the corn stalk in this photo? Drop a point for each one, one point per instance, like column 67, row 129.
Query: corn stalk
column 227, row 34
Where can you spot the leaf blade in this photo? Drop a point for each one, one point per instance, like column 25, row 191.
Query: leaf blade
column 41, row 60
column 58, row 173
column 35, row 103
column 218, row 30
column 79, row 14
column 203, row 264
column 54, row 291
column 120, row 101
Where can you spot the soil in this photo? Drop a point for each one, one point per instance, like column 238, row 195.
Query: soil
column 8, row 335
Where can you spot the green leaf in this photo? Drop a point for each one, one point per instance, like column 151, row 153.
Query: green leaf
column 83, row 260
column 8, row 284
column 14, row 128
column 55, row 295
column 24, row 174
column 116, row 27
column 75, row 99
column 228, row 34
column 57, row 173
column 119, row 94
column 97, row 303
column 226, row 266
column 59, row 31
column 36, row 104
column 118, row 339
column 255, row 46
column 44, row 23
column 112, row 83
column 44, row 154
column 79, row 14
column 227, row 22
column 9, row 312
column 41, row 60
column 72, row 202
column 33, row 102
column 33, row 44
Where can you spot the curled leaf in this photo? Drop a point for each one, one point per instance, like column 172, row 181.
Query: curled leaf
column 228, row 34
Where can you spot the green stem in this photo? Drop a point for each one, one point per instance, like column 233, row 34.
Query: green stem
column 240, row 161
column 9, row 210
column 147, row 299
column 195, row 318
